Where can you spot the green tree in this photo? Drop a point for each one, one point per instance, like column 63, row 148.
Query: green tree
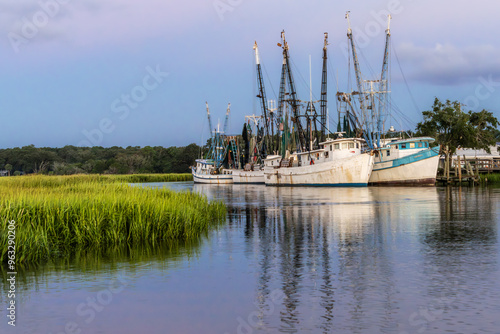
column 453, row 128
column 8, row 168
column 485, row 129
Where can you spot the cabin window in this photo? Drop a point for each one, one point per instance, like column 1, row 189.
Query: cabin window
column 403, row 146
column 351, row 145
column 337, row 146
column 412, row 145
column 330, row 147
column 426, row 144
column 344, row 146
column 388, row 153
column 419, row 144
column 357, row 145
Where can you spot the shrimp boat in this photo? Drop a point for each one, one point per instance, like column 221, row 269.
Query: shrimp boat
column 214, row 168
column 205, row 171
column 252, row 172
column 406, row 162
column 338, row 162
column 397, row 161
column 253, row 168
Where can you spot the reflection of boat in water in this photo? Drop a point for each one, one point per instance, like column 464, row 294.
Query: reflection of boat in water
column 338, row 162
column 405, row 162
column 336, row 251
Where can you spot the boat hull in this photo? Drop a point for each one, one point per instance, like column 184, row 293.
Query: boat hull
column 417, row 169
column 347, row 172
column 248, row 177
column 213, row 178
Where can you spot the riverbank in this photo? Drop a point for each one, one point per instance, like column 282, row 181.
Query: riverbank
column 489, row 179
column 58, row 215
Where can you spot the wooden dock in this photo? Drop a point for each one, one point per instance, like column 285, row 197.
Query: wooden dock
column 464, row 170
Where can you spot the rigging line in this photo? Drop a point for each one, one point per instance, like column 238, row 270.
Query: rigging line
column 334, row 76
column 201, row 137
column 402, row 115
column 303, row 80
column 406, row 121
column 269, row 81
column 254, row 83
column 349, row 74
column 367, row 64
column 406, row 82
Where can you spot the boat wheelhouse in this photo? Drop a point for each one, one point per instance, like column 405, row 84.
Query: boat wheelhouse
column 205, row 172
column 339, row 162
column 406, row 162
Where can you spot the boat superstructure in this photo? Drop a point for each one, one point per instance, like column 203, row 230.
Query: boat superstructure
column 340, row 162
column 406, row 162
column 223, row 151
column 397, row 162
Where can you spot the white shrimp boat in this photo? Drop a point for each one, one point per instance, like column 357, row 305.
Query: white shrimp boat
column 406, row 162
column 212, row 169
column 338, row 162
column 242, row 176
column 205, row 172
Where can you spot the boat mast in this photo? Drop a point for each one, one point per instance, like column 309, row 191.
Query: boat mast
column 209, row 121
column 324, row 90
column 226, row 121
column 310, row 118
column 293, row 96
column 262, row 97
column 384, row 83
column 281, row 101
column 359, row 80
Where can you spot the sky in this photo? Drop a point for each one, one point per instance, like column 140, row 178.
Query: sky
column 138, row 73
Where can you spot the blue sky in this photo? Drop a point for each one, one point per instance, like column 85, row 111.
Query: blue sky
column 137, row 73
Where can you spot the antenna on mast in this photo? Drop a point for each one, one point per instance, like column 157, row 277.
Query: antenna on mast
column 349, row 30
column 310, row 81
column 209, row 121
column 257, row 58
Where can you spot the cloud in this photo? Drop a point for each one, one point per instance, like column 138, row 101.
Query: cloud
column 89, row 23
column 445, row 64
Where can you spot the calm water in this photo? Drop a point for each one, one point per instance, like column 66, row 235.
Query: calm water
column 290, row 260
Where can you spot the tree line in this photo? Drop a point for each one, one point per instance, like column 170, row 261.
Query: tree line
column 98, row 160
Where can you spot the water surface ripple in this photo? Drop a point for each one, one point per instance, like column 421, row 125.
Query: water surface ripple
column 290, row 260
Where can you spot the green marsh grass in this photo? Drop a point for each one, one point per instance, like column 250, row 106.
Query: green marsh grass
column 57, row 215
column 493, row 179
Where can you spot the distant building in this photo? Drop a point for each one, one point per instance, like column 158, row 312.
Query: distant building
column 4, row 173
column 470, row 153
column 480, row 159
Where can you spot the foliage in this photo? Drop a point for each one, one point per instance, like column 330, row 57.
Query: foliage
column 453, row 128
column 98, row 160
column 58, row 215
column 490, row 179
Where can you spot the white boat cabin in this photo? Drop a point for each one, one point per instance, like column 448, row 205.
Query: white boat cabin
column 401, row 148
column 330, row 150
column 272, row 161
column 207, row 167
